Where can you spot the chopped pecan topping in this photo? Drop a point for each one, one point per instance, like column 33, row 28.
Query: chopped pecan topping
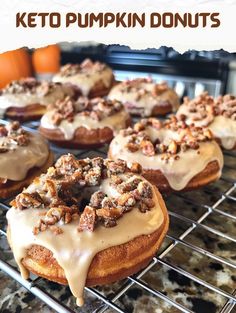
column 67, row 164
column 116, row 167
column 136, row 168
column 3, row 131
column 41, row 226
column 87, row 66
column 139, row 127
column 128, row 186
column 132, row 147
column 161, row 148
column 159, row 88
column 147, row 148
column 109, row 213
column 22, row 140
column 93, row 176
column 30, row 86
column 13, row 126
column 59, row 194
column 96, row 199
column 172, row 148
column 109, row 222
column 87, row 219
column 141, row 87
column 109, row 202
column 60, row 213
column 126, row 199
column 149, row 202
column 144, row 189
column 179, row 137
column 63, row 110
column 51, row 187
column 12, row 135
column 97, row 109
column 25, row 200
column 116, row 180
column 208, row 134
column 128, row 131
column 206, row 107
column 143, row 207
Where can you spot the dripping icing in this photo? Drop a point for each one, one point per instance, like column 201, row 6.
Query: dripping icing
column 74, row 251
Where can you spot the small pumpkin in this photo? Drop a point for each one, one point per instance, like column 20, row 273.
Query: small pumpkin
column 46, row 59
column 14, row 65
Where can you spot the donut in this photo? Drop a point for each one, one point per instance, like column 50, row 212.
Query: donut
column 83, row 123
column 23, row 156
column 174, row 156
column 143, row 97
column 113, row 235
column 27, row 98
column 94, row 79
column 218, row 114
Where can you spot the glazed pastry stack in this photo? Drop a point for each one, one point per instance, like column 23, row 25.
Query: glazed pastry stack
column 95, row 221
column 84, row 122
column 27, row 99
column 143, row 97
column 219, row 115
column 174, row 156
column 93, row 79
column 51, row 238
column 23, row 156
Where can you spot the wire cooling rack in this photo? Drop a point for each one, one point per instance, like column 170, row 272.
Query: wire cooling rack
column 195, row 270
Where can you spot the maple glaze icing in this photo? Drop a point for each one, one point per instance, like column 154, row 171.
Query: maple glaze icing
column 69, row 114
column 205, row 111
column 73, row 250
column 115, row 122
column 178, row 172
column 86, row 77
column 40, row 95
column 140, row 96
column 18, row 160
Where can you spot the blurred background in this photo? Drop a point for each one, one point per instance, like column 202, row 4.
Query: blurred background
column 189, row 74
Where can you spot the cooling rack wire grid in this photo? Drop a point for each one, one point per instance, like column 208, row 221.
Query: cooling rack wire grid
column 195, row 270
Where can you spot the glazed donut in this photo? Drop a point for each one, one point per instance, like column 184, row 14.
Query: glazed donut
column 144, row 97
column 113, row 236
column 83, row 123
column 94, row 79
column 26, row 99
column 219, row 115
column 23, row 156
column 174, row 156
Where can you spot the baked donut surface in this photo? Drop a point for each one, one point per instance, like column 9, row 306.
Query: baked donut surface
column 144, row 97
column 174, row 156
column 84, row 122
column 26, row 99
column 94, row 79
column 218, row 114
column 23, row 156
column 115, row 235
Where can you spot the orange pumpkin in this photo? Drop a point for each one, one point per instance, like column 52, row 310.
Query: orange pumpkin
column 14, row 64
column 46, row 59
